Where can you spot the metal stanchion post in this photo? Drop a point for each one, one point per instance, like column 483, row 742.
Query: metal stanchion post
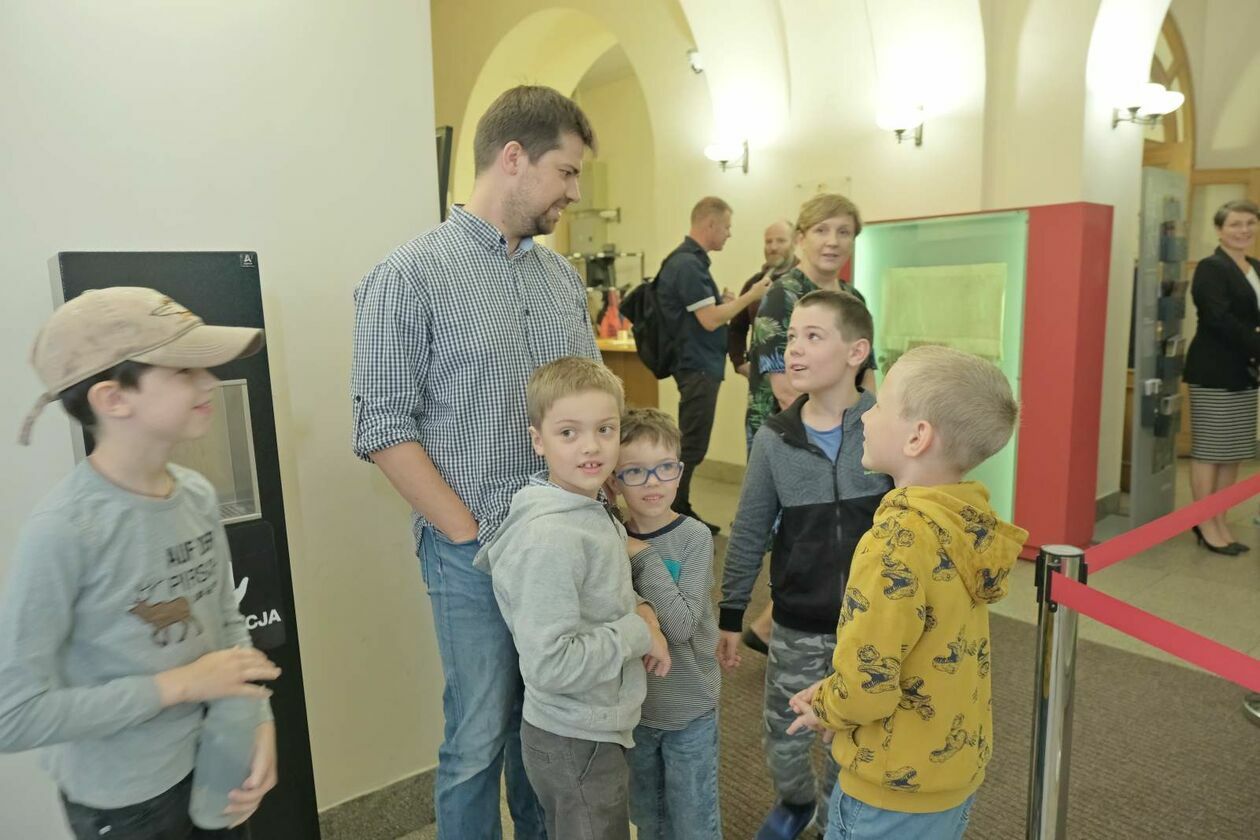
column 1056, row 675
column 1251, row 705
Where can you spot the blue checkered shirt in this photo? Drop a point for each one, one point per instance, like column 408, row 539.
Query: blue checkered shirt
column 447, row 330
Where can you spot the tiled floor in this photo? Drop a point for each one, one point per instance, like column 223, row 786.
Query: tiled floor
column 1214, row 595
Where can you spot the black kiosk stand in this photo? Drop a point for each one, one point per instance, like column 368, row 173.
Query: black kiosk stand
column 240, row 457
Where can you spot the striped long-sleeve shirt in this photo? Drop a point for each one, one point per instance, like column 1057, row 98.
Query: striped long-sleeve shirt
column 675, row 576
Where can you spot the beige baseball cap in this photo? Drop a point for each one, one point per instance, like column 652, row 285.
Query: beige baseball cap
column 103, row 328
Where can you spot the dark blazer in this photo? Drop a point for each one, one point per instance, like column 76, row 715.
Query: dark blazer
column 1226, row 346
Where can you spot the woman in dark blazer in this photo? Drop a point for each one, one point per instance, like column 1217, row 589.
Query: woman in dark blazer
column 1221, row 365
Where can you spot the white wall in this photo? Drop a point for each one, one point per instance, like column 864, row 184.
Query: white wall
column 303, row 131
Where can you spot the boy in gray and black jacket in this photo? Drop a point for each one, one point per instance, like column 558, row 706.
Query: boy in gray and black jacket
column 805, row 467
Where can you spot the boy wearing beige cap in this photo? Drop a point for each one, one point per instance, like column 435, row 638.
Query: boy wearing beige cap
column 119, row 622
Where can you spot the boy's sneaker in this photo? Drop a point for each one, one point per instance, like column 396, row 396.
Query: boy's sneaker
column 786, row 822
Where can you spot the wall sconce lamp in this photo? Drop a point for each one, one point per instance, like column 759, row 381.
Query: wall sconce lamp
column 901, row 121
column 729, row 155
column 1147, row 105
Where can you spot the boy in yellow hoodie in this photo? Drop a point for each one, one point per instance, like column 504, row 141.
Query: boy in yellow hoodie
column 910, row 700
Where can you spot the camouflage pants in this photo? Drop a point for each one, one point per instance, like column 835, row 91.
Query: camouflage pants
column 797, row 660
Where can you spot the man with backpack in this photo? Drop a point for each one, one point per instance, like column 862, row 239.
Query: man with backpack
column 695, row 314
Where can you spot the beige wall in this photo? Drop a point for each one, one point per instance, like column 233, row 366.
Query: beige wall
column 1227, row 81
column 304, row 131
column 625, row 142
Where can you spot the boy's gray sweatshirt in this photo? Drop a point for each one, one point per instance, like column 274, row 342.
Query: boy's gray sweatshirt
column 562, row 580
column 107, row 589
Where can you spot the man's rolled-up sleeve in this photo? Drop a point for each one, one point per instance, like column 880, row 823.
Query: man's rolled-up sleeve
column 390, row 360
column 694, row 289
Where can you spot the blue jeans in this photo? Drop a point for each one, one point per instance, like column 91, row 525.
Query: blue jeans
column 852, row 819
column 481, row 702
column 673, row 781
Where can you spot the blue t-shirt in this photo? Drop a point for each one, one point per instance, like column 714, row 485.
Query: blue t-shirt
column 685, row 286
column 828, row 441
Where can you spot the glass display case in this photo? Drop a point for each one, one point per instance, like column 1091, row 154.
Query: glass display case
column 225, row 454
column 957, row 281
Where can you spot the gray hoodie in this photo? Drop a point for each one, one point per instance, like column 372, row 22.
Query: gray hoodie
column 562, row 579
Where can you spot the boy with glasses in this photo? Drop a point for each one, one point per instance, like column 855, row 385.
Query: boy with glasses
column 673, row 765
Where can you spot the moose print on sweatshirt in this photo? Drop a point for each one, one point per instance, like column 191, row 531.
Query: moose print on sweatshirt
column 107, row 589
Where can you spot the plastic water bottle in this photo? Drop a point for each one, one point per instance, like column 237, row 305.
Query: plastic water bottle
column 224, row 752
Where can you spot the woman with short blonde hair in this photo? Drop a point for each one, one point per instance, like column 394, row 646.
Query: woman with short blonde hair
column 825, row 232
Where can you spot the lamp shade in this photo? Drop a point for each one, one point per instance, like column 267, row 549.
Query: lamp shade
column 721, row 152
column 1151, row 99
column 900, row 118
column 1165, row 103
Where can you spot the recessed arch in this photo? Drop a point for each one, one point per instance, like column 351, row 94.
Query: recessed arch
column 553, row 47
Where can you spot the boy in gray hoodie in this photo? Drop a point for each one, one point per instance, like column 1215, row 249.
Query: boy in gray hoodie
column 562, row 579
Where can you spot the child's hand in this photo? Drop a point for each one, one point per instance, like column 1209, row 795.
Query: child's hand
column 223, row 673
column 657, row 660
column 802, row 703
column 244, row 801
column 810, row 721
column 648, row 615
column 803, row 700
column 634, row 546
column 656, row 666
column 728, row 650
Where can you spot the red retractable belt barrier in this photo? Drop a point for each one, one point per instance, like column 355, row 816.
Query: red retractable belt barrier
column 1207, row 654
column 1161, row 530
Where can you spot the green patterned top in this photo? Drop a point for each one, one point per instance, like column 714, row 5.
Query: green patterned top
column 767, row 344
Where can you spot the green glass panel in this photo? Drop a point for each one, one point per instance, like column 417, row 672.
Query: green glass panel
column 957, row 281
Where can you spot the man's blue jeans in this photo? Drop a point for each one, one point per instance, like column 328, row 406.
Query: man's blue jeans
column 481, row 702
column 673, row 781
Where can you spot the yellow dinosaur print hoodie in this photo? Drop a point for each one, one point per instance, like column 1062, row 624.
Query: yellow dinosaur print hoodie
column 910, row 697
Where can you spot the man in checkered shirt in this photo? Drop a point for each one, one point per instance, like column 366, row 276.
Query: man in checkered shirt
column 448, row 329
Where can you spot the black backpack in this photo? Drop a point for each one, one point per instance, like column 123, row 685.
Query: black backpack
column 652, row 339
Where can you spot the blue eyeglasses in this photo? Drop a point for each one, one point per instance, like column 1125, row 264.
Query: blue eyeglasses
column 664, row 471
